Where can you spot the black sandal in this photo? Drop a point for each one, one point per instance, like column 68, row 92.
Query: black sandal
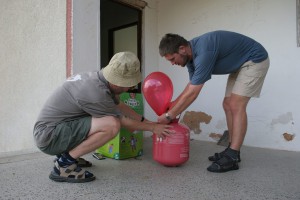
column 83, row 163
column 218, row 156
column 70, row 174
column 224, row 164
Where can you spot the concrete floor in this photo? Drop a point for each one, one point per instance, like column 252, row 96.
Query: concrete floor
column 263, row 174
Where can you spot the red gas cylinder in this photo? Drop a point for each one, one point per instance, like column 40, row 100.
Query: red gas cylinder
column 173, row 150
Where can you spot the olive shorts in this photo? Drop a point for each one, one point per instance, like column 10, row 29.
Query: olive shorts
column 68, row 135
column 248, row 80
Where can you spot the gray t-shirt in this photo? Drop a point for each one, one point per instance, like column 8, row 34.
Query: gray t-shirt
column 82, row 95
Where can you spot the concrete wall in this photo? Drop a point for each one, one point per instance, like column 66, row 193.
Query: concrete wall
column 272, row 23
column 32, row 64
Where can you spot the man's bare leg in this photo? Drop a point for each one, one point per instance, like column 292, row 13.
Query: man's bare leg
column 102, row 130
column 237, row 120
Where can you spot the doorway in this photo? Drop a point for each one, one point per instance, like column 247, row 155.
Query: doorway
column 120, row 28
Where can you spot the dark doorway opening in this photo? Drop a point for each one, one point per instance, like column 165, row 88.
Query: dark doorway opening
column 120, row 27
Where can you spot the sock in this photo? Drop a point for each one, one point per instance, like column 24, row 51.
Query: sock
column 232, row 153
column 65, row 160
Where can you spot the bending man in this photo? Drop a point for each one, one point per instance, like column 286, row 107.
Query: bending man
column 219, row 52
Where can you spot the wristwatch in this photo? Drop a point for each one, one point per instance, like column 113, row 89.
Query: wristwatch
column 168, row 117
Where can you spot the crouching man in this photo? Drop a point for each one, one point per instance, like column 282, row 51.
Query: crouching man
column 85, row 112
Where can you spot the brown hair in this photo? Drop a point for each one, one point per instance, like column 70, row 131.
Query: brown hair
column 170, row 44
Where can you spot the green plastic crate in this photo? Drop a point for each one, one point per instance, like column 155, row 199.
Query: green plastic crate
column 126, row 144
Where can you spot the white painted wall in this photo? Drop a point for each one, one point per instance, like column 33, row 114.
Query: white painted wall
column 86, row 35
column 32, row 64
column 149, row 50
column 272, row 23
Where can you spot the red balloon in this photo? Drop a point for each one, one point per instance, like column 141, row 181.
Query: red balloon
column 158, row 91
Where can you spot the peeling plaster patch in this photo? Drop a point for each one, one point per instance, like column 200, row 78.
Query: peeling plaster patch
column 283, row 119
column 288, row 137
column 215, row 136
column 193, row 119
column 221, row 124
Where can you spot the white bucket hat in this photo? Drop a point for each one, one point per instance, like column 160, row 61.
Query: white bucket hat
column 123, row 70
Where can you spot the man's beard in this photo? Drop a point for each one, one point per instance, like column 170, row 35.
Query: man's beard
column 185, row 60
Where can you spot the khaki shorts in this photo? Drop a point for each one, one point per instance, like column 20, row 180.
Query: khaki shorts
column 68, row 135
column 248, row 80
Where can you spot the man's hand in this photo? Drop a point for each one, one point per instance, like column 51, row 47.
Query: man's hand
column 163, row 119
column 162, row 130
